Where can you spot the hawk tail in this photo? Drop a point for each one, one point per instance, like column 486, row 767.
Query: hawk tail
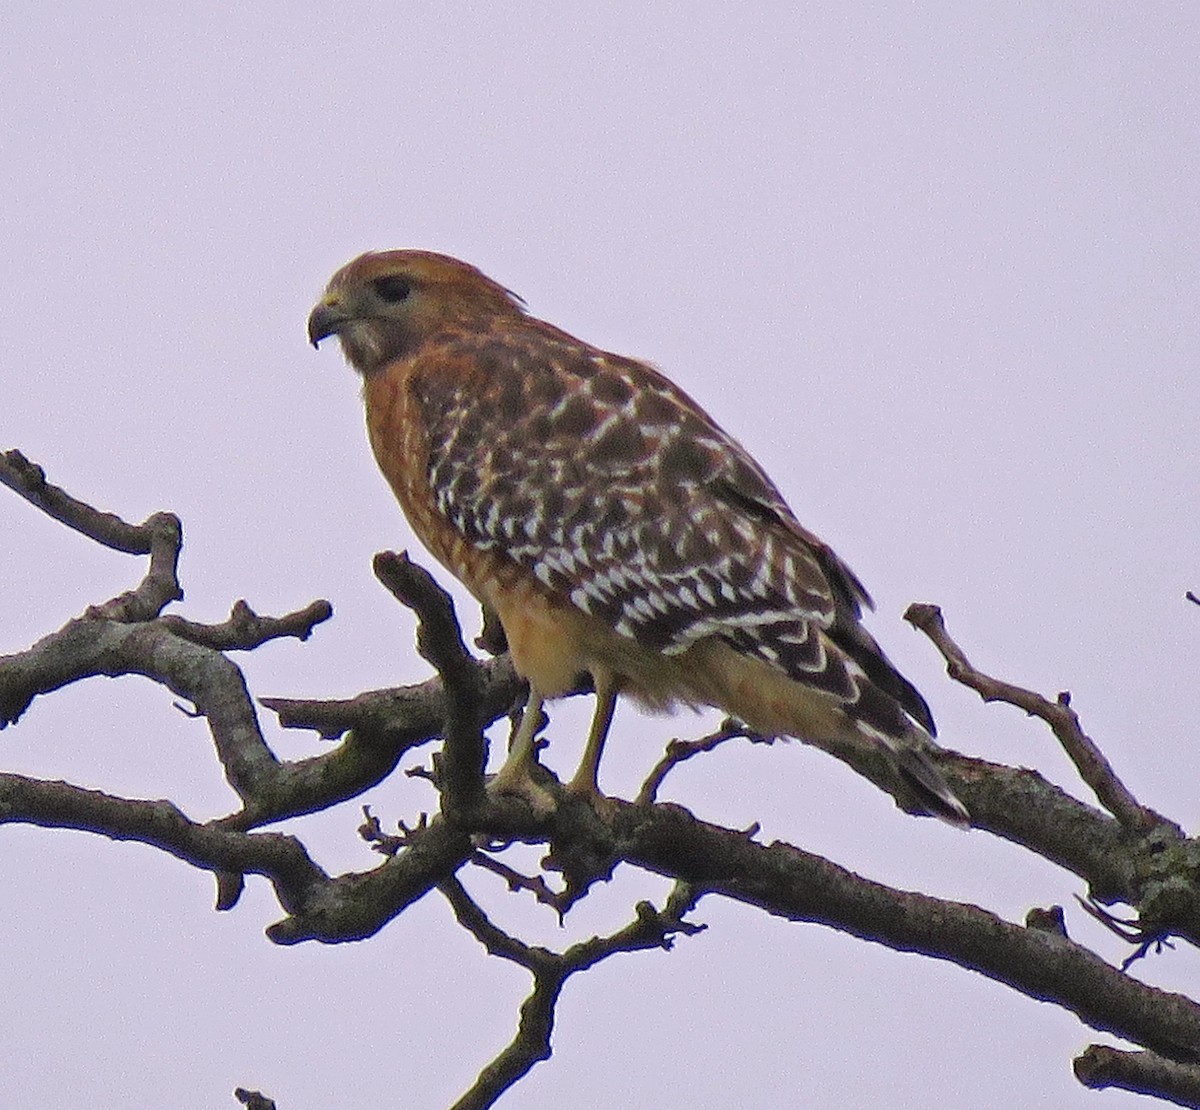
column 930, row 787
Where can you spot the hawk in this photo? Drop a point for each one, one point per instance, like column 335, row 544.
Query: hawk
column 611, row 525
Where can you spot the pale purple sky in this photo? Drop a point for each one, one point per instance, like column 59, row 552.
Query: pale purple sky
column 935, row 264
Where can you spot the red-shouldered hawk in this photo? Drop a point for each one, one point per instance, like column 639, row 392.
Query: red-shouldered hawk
column 612, row 526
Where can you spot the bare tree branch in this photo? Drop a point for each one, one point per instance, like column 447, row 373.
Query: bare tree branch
column 299, row 883
column 245, row 629
column 28, row 480
column 680, row 750
column 87, row 647
column 439, row 640
column 530, row 1045
column 1145, row 1073
column 790, row 883
column 160, row 537
column 651, row 928
column 497, row 942
column 409, row 711
column 667, row 839
column 514, row 880
column 1095, row 770
column 331, row 910
column 1134, row 856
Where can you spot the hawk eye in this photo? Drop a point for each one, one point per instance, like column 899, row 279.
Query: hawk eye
column 392, row 289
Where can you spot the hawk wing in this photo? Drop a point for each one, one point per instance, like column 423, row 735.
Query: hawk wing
column 618, row 493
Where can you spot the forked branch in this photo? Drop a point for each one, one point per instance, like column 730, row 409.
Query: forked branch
column 650, row 928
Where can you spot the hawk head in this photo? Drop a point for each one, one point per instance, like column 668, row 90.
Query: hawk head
column 385, row 304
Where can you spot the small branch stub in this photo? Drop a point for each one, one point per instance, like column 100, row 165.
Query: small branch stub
column 1145, row 1073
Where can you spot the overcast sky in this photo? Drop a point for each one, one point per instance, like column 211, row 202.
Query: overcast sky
column 935, row 264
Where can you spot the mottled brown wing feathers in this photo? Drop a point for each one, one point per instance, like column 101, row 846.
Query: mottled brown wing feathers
column 744, row 488
column 616, row 491
column 604, row 481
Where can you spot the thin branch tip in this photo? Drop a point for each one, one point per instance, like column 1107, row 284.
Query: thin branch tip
column 1093, row 767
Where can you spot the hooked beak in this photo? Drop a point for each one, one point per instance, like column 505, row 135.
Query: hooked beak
column 325, row 320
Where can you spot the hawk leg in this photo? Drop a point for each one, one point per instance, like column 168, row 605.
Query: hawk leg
column 515, row 777
column 584, row 783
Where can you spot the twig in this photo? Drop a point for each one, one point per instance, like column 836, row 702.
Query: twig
column 160, row 586
column 529, row 1046
column 497, row 942
column 651, row 928
column 245, row 630
column 1133, row 931
column 535, row 884
column 1093, row 767
column 29, row 481
column 299, row 882
column 160, row 536
column 417, row 710
column 1145, row 1073
column 389, row 844
column 680, row 750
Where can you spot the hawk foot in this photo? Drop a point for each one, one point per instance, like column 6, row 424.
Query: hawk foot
column 516, row 782
column 587, row 791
